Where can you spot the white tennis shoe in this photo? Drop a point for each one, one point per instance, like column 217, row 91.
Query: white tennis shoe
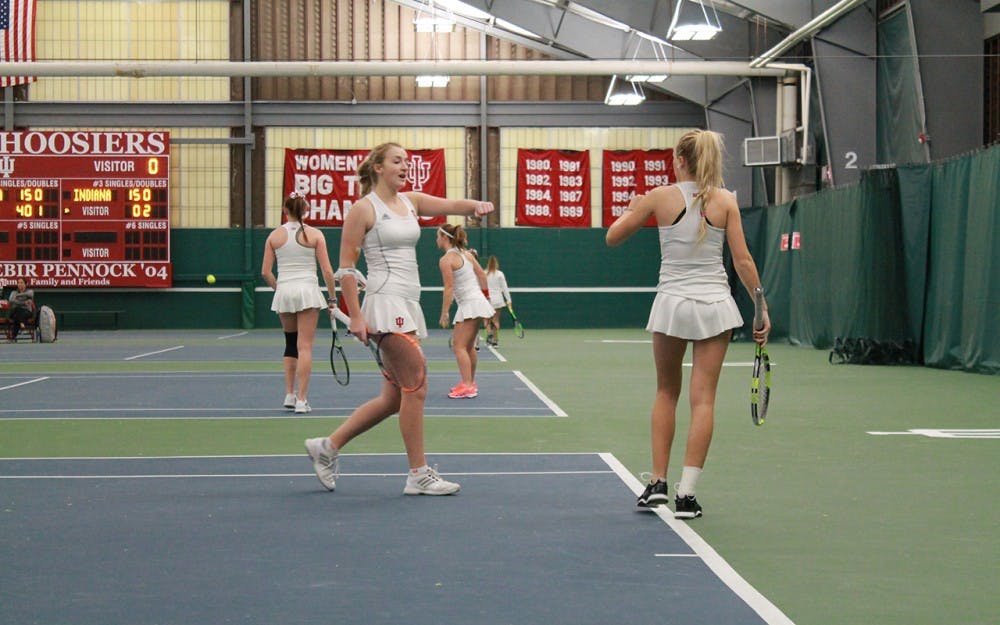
column 289, row 401
column 426, row 481
column 302, row 407
column 325, row 459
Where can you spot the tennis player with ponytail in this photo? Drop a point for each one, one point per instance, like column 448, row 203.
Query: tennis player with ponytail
column 296, row 248
column 464, row 282
column 384, row 224
column 693, row 303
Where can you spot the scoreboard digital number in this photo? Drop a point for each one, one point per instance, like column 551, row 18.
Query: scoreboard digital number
column 85, row 208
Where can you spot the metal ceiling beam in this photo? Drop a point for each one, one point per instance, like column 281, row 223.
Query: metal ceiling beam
column 291, row 69
column 807, row 30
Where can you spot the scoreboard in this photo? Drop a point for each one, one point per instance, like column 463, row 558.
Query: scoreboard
column 85, row 208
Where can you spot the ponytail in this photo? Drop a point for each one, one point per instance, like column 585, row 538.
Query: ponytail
column 703, row 150
column 457, row 234
column 296, row 205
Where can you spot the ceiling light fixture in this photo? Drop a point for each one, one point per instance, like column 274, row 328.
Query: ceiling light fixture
column 693, row 28
column 624, row 93
column 434, row 20
column 428, row 80
column 658, row 54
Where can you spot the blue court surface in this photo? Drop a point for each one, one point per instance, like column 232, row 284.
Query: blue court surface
column 164, row 346
column 531, row 538
column 169, row 395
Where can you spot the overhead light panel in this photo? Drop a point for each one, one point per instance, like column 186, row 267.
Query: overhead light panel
column 433, row 81
column 651, row 78
column 690, row 24
column 624, row 93
column 430, row 24
column 434, row 20
column 658, row 55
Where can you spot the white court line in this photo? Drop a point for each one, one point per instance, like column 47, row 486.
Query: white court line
column 301, row 455
column 538, row 393
column 231, row 336
column 944, row 433
column 147, row 476
column 676, row 555
column 625, row 341
column 4, row 388
column 725, row 572
column 159, row 351
column 496, row 353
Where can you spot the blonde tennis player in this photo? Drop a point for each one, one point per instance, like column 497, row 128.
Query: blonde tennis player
column 383, row 223
column 693, row 303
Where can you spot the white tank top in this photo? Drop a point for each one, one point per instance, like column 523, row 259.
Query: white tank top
column 390, row 249
column 465, row 283
column 690, row 268
column 295, row 261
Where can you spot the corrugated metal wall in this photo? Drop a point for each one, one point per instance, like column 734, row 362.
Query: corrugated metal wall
column 381, row 30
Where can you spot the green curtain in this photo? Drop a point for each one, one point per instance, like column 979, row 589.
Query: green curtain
column 776, row 269
column 847, row 274
column 915, row 204
column 963, row 288
column 899, row 114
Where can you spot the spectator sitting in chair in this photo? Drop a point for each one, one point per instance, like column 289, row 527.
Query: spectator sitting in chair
column 22, row 307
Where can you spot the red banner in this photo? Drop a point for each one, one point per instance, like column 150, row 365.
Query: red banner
column 628, row 173
column 329, row 180
column 553, row 188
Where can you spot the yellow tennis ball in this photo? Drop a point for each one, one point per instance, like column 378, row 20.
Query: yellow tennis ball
column 210, row 279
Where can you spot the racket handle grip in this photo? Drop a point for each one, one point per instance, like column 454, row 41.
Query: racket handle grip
column 758, row 308
column 339, row 315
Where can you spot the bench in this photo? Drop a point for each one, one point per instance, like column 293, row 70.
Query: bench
column 112, row 315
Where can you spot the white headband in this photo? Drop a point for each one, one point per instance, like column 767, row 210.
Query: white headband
column 445, row 233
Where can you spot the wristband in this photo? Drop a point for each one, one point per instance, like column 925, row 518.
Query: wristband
column 350, row 271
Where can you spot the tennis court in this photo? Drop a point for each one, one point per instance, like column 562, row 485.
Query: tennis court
column 867, row 497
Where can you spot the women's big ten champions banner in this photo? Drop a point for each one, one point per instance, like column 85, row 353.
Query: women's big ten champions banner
column 553, row 188
column 329, row 180
column 628, row 173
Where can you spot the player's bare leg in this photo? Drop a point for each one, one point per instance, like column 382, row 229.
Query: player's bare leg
column 668, row 354
column 707, row 365
column 307, row 334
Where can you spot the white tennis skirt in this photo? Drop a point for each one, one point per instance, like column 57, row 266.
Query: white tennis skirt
column 391, row 313
column 692, row 320
column 478, row 308
column 296, row 296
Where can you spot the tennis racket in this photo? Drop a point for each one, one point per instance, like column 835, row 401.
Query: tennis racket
column 760, row 383
column 398, row 356
column 518, row 328
column 338, row 360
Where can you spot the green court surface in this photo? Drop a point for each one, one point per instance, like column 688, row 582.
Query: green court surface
column 869, row 496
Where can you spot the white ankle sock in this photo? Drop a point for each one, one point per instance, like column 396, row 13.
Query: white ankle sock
column 689, row 478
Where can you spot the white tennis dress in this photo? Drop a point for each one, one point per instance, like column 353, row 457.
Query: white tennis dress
column 297, row 288
column 693, row 299
column 472, row 304
column 496, row 282
column 392, row 295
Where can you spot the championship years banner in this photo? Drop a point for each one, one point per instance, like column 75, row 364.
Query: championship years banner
column 553, row 188
column 329, row 181
column 627, row 173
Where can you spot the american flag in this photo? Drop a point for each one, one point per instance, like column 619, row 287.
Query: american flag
column 17, row 36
